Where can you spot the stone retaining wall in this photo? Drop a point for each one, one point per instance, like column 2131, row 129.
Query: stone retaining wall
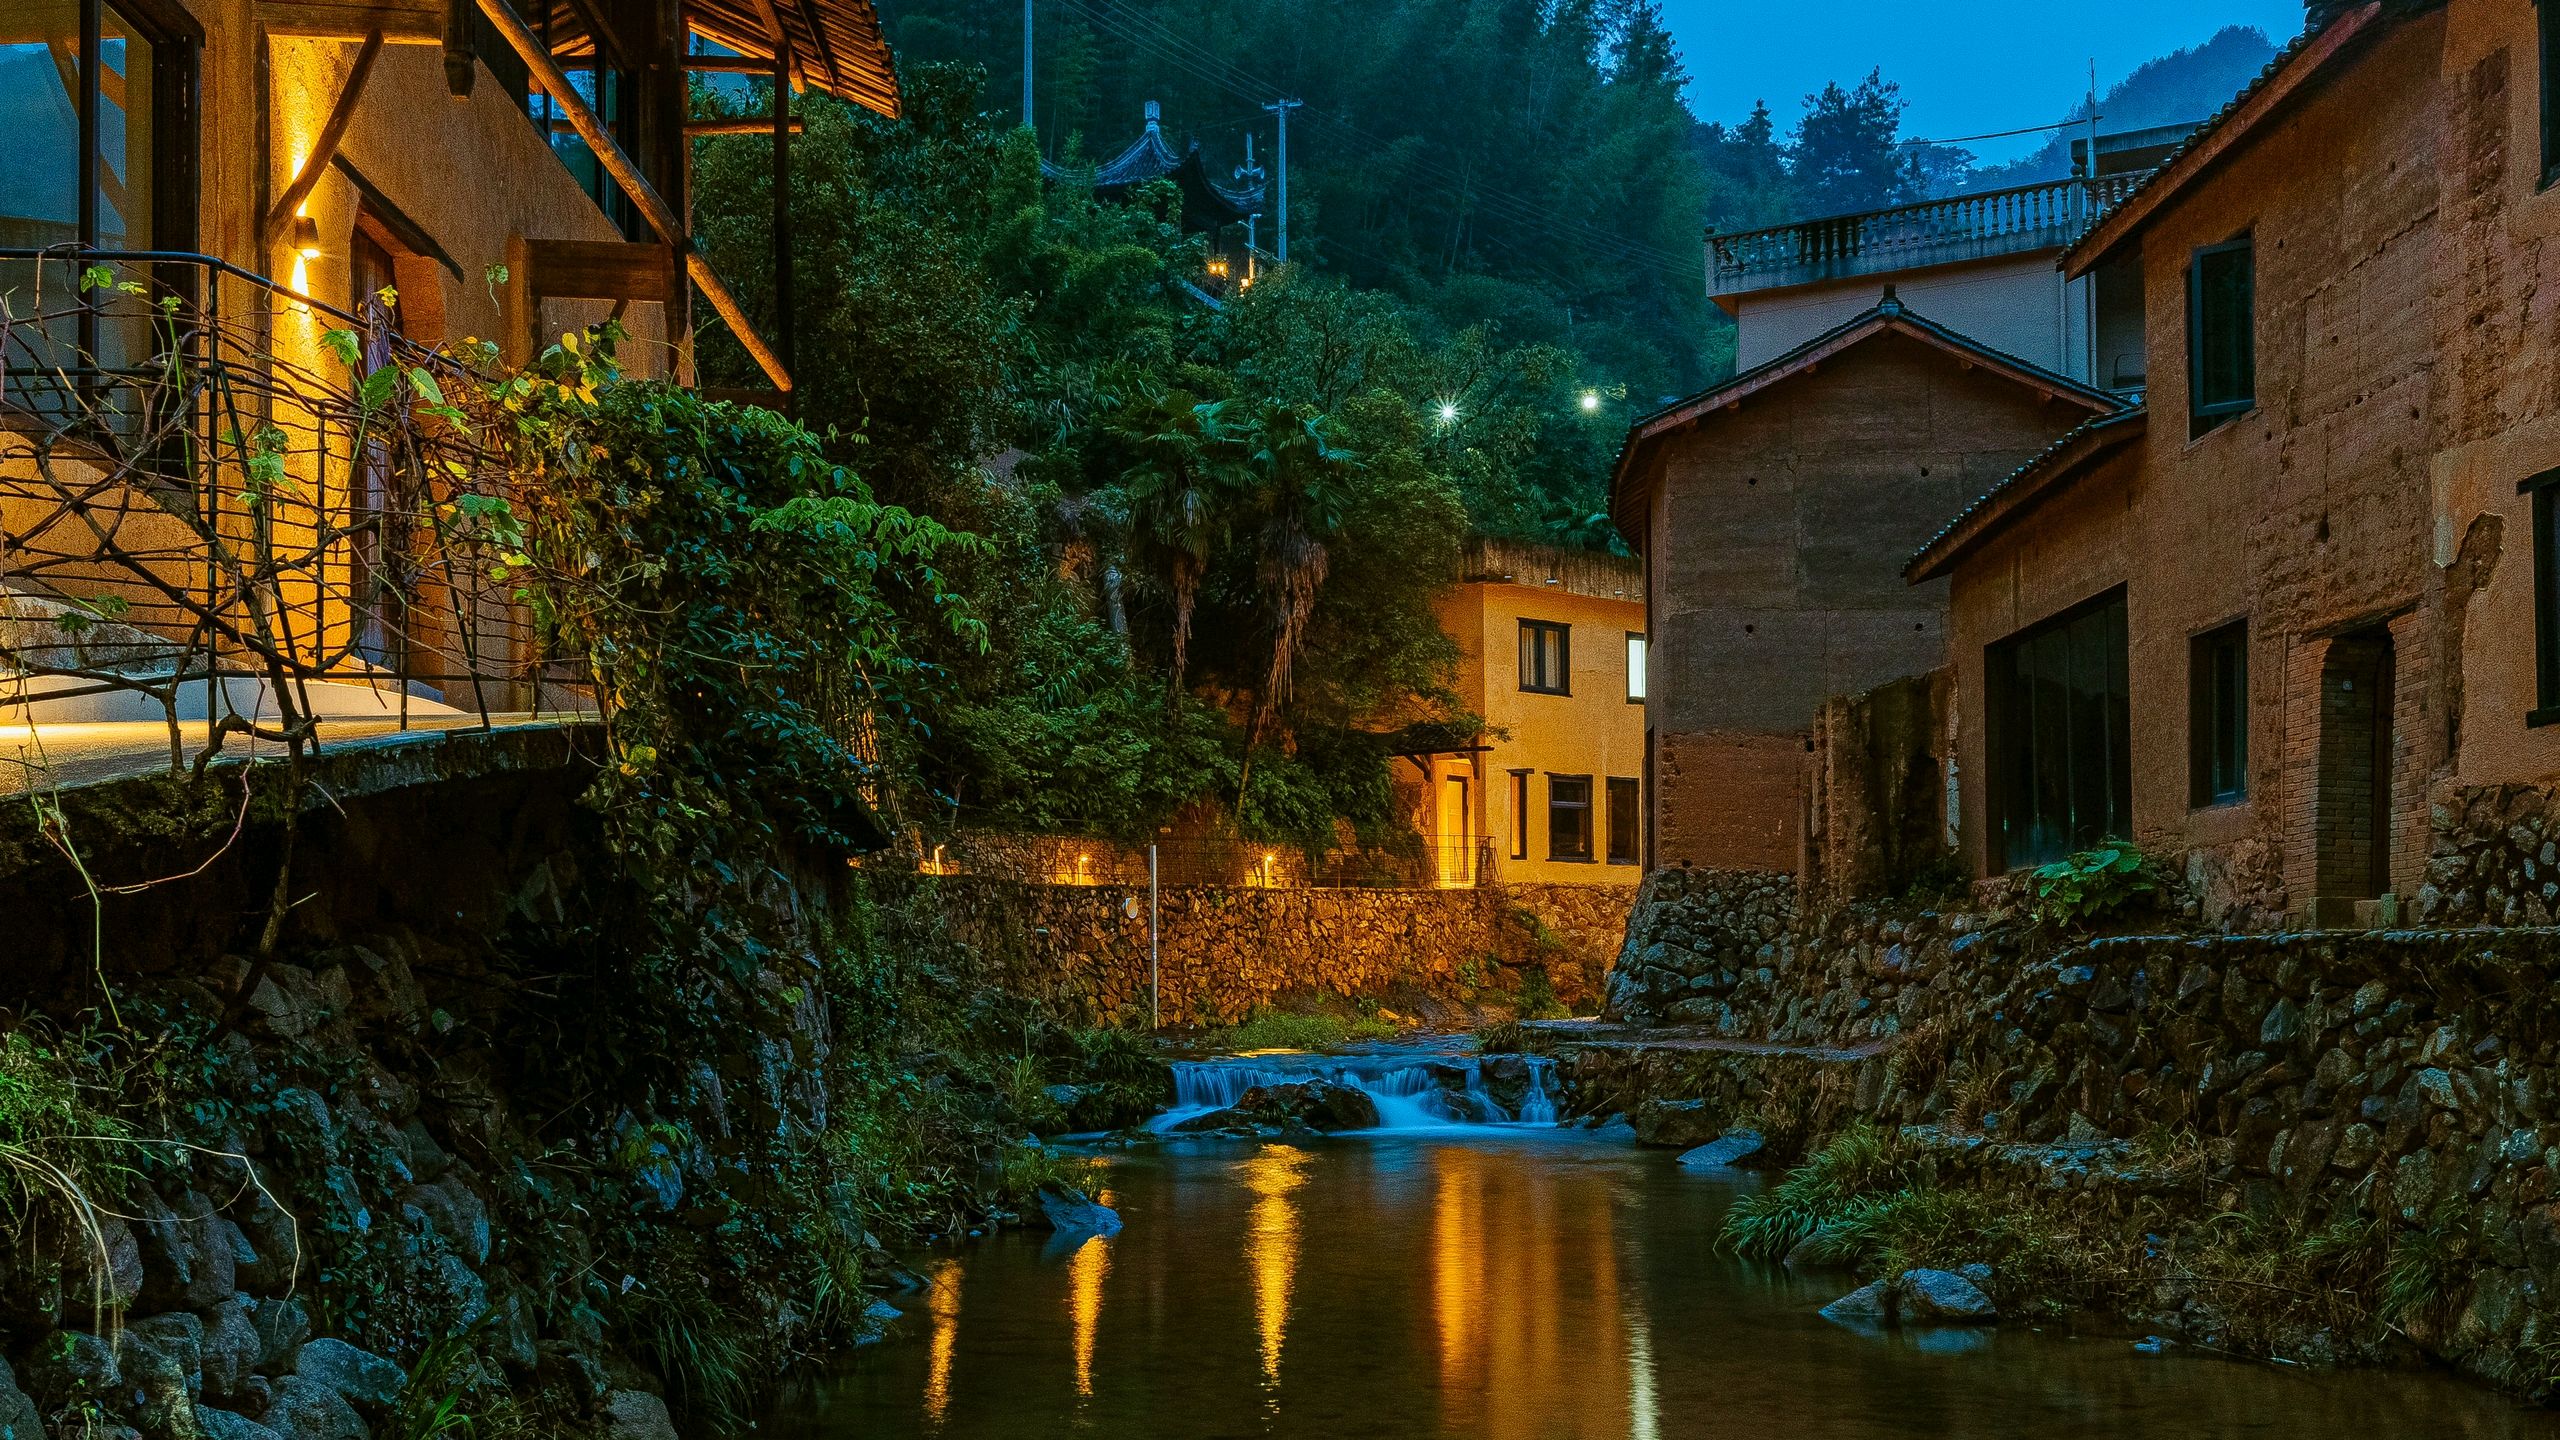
column 1225, row 952
column 2407, row 1077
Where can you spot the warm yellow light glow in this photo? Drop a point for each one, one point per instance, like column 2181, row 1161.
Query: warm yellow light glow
column 1085, row 1274
column 942, row 1303
column 1271, row 1246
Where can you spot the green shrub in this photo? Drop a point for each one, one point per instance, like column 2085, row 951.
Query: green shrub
column 2092, row 884
column 1858, row 1163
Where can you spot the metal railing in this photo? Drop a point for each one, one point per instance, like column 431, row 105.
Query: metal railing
column 1427, row 864
column 226, row 503
column 1990, row 222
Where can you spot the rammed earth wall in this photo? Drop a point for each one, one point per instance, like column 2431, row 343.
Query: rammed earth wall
column 1227, row 951
column 2408, row 1077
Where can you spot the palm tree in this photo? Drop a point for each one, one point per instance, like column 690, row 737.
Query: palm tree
column 1301, row 489
column 1181, row 486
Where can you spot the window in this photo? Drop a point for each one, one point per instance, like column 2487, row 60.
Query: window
column 1635, row 668
column 2549, row 19
column 1568, row 817
column 2545, row 489
column 1519, row 814
column 2061, row 756
column 2218, row 716
column 2222, row 362
column 1626, row 821
column 1546, row 657
column 99, row 155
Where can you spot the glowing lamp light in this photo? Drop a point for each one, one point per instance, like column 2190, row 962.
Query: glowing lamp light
column 1590, row 401
column 306, row 237
column 1448, row 412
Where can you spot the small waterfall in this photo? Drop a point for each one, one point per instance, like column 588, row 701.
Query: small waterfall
column 1413, row 1089
column 1536, row 1108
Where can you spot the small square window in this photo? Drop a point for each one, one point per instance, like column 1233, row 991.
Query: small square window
column 1626, row 821
column 1546, row 658
column 1635, row 668
column 2218, row 716
column 2222, row 359
column 1569, row 817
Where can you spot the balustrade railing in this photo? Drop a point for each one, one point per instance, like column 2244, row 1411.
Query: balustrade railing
column 1989, row 222
column 1195, row 862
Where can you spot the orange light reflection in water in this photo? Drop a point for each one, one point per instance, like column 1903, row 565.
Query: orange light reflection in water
column 1085, row 1274
column 1271, row 1247
column 1510, row 1273
column 942, row 1304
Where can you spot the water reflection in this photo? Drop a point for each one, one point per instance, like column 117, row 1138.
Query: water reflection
column 1085, row 1274
column 1504, row 1287
column 942, row 1305
column 1271, row 1247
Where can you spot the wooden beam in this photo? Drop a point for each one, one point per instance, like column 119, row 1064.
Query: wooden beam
column 741, row 127
column 401, row 22
column 644, row 196
column 324, row 149
column 600, row 270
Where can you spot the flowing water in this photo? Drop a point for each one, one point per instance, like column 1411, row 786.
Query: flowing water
column 1504, row 1281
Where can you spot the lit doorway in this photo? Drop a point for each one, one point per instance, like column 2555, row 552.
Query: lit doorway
column 1457, row 841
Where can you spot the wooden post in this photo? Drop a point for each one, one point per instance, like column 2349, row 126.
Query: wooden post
column 333, row 132
column 644, row 196
column 782, row 297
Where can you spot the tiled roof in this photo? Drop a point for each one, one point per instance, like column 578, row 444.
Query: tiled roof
column 2018, row 487
column 2318, row 43
column 1888, row 314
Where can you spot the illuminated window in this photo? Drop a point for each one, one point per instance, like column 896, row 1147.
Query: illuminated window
column 1519, row 814
column 1635, row 667
column 1546, row 658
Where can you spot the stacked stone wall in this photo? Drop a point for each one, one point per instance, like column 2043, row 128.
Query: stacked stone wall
column 2411, row 1077
column 1224, row 952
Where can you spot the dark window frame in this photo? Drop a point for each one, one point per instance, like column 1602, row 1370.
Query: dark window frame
column 2014, row 762
column 2218, row 716
column 1563, row 635
column 2205, row 415
column 1520, row 814
column 177, row 57
column 2545, row 490
column 1634, row 639
column 1588, row 805
column 1626, row 807
column 2548, row 53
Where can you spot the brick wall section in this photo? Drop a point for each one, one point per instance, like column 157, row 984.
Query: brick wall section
column 1778, row 532
column 1729, row 801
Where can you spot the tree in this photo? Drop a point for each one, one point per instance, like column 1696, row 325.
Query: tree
column 1182, row 478
column 1844, row 157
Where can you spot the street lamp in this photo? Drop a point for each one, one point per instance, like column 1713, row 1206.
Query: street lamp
column 1448, row 412
column 1590, row 402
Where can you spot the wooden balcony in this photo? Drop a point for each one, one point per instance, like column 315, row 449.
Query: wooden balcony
column 1981, row 226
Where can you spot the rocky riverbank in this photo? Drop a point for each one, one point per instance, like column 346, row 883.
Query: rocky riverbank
column 453, row 1149
column 2320, row 1145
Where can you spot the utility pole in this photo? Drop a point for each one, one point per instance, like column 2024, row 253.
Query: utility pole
column 1282, row 109
column 1027, row 122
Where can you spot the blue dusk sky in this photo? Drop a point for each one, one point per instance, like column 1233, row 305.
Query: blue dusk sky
column 1965, row 66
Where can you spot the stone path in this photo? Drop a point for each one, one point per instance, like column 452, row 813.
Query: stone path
column 1696, row 1039
column 66, row 756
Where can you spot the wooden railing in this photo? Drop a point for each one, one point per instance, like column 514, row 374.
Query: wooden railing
column 1990, row 222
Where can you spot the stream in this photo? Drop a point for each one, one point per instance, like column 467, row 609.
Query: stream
column 1462, row 1273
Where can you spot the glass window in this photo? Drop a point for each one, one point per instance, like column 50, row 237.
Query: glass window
column 2061, row 752
column 1635, row 666
column 2222, row 372
column 2548, row 17
column 42, row 85
column 2218, row 716
column 1626, row 821
column 1546, row 658
column 1519, row 814
column 1568, row 817
column 2545, row 489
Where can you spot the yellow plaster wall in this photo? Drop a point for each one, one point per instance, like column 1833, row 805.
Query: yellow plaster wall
column 1594, row 731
